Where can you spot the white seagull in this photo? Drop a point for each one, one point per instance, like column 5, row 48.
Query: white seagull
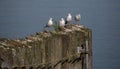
column 78, row 17
column 62, row 22
column 50, row 23
column 68, row 18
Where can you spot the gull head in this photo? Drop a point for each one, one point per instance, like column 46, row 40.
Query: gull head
column 62, row 19
column 50, row 18
column 69, row 14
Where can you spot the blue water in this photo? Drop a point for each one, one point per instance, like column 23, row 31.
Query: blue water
column 19, row 18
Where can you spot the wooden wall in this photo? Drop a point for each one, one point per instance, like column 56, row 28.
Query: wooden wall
column 49, row 50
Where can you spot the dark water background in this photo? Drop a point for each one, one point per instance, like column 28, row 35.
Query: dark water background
column 19, row 18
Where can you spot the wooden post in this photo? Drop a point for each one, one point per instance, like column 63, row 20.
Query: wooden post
column 58, row 50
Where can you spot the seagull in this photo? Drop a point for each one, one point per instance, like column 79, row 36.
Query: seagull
column 77, row 17
column 68, row 18
column 62, row 22
column 50, row 23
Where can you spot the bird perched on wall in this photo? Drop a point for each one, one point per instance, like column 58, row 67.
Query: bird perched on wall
column 49, row 24
column 77, row 17
column 68, row 18
column 62, row 22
